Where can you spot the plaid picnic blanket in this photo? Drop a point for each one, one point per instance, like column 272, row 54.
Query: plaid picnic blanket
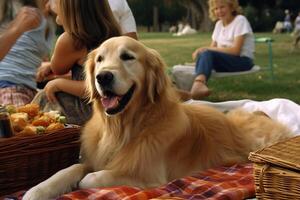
column 222, row 183
column 234, row 183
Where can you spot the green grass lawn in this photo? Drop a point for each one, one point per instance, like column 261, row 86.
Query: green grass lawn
column 257, row 86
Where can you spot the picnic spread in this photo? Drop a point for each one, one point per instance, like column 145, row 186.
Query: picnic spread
column 241, row 181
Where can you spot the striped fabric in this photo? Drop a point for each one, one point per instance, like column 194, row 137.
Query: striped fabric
column 222, row 183
column 19, row 66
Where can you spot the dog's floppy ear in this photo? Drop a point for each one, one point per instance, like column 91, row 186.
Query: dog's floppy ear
column 91, row 90
column 156, row 79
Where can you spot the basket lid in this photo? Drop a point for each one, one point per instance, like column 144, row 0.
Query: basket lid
column 284, row 154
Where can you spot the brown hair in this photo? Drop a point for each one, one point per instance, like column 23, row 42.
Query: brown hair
column 90, row 22
column 234, row 4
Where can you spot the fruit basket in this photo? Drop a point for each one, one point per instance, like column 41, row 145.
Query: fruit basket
column 35, row 146
column 26, row 161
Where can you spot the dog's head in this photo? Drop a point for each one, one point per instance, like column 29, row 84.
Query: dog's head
column 123, row 72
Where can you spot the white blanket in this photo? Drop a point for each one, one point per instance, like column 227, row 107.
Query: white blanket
column 283, row 110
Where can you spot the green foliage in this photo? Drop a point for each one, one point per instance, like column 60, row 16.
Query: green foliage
column 262, row 14
column 257, row 86
column 168, row 13
column 264, row 18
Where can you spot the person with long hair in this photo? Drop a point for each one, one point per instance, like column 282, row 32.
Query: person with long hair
column 86, row 25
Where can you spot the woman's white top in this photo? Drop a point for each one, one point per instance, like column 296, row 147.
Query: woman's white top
column 224, row 35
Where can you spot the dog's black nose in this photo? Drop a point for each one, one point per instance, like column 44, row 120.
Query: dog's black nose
column 105, row 78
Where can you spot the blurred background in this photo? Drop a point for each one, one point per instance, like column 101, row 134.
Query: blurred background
column 160, row 15
column 158, row 27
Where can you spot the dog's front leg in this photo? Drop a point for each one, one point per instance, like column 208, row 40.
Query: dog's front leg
column 107, row 178
column 61, row 182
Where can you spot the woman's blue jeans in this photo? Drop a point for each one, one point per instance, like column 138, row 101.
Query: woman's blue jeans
column 221, row 62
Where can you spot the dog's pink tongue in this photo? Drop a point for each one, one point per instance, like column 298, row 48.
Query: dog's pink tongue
column 109, row 102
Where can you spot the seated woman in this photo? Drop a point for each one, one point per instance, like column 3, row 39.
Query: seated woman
column 231, row 49
column 83, row 32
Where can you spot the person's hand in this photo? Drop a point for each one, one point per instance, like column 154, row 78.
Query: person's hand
column 51, row 88
column 27, row 18
column 197, row 52
column 43, row 72
column 53, row 5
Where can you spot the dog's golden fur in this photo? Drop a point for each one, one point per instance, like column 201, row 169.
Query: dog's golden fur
column 155, row 138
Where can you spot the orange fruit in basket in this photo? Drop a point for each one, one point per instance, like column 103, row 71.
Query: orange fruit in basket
column 55, row 127
column 27, row 131
column 18, row 124
column 31, row 109
column 42, row 121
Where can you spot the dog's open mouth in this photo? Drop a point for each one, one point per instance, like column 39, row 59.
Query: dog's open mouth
column 114, row 103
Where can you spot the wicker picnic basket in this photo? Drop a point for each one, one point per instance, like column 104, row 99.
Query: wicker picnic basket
column 26, row 161
column 277, row 170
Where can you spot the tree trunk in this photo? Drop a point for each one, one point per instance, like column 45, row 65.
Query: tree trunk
column 155, row 19
column 206, row 23
column 198, row 15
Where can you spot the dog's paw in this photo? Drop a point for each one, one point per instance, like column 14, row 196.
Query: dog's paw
column 96, row 179
column 89, row 181
column 36, row 193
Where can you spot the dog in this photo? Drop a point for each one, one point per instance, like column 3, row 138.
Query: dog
column 141, row 135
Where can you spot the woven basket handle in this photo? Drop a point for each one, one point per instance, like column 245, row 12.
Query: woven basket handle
column 261, row 177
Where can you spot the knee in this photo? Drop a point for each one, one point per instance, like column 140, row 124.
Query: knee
column 207, row 54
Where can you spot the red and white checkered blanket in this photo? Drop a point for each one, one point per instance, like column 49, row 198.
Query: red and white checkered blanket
column 230, row 183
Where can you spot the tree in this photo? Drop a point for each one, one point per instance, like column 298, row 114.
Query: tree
column 200, row 15
column 156, row 12
column 262, row 14
column 196, row 13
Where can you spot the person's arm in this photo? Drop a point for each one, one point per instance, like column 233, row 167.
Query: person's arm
column 73, row 87
column 242, row 27
column 235, row 49
column 213, row 44
column 198, row 51
column 7, row 40
column 28, row 18
column 43, row 71
column 65, row 55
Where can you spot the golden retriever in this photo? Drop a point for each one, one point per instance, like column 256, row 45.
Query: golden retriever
column 141, row 135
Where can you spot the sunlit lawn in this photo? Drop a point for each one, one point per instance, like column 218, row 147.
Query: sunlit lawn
column 257, row 86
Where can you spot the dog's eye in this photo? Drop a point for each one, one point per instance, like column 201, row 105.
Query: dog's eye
column 99, row 59
column 126, row 56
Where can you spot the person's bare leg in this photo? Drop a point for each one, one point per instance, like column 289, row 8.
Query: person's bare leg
column 199, row 88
